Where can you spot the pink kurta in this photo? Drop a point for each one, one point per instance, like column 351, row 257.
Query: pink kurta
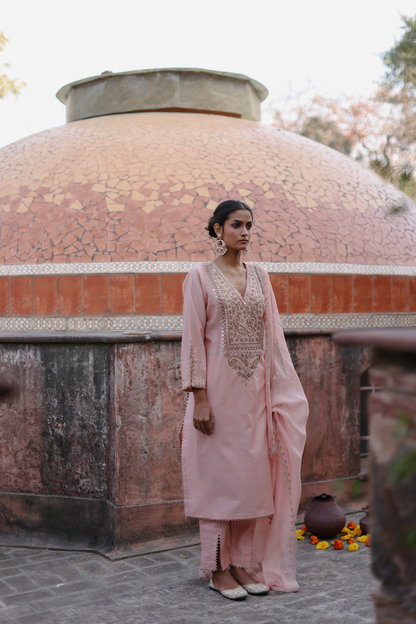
column 250, row 466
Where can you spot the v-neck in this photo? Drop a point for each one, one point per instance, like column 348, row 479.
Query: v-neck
column 242, row 297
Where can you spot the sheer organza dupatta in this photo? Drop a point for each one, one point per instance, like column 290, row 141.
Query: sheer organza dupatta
column 287, row 412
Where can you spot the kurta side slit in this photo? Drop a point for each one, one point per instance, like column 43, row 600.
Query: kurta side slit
column 249, row 467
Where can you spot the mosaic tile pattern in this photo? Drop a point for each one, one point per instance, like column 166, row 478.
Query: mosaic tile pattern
column 140, row 187
column 128, row 323
column 174, row 323
column 346, row 321
column 87, row 268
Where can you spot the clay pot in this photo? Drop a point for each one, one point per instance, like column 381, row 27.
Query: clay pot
column 324, row 517
column 365, row 521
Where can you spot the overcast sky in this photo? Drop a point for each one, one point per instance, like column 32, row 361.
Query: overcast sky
column 332, row 45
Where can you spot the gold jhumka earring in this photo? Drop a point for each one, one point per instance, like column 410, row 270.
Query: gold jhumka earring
column 246, row 251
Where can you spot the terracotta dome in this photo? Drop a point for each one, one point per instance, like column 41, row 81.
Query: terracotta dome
column 127, row 186
column 141, row 186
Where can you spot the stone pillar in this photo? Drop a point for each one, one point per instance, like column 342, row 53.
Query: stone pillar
column 393, row 470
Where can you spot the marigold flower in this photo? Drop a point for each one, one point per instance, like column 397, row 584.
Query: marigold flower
column 368, row 540
column 304, row 528
column 353, row 547
column 314, row 539
column 299, row 534
column 345, row 530
column 351, row 525
column 351, row 540
column 357, row 530
column 346, row 537
column 322, row 546
column 338, row 544
column 362, row 539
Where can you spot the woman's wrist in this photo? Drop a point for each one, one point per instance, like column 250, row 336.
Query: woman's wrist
column 200, row 395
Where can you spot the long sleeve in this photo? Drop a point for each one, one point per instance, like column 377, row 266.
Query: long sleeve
column 193, row 358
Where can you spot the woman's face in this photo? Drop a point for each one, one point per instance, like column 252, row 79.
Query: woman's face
column 236, row 231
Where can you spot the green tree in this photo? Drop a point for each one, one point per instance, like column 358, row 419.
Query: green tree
column 8, row 86
column 400, row 60
column 398, row 89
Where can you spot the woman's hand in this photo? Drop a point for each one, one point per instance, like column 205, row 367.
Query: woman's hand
column 203, row 416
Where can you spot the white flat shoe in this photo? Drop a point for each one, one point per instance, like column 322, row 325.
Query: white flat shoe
column 256, row 588
column 233, row 594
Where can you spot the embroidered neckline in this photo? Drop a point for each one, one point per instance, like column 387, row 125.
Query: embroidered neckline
column 243, row 331
column 242, row 297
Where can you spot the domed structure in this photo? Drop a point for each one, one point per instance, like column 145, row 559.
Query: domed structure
column 121, row 187
column 141, row 187
column 100, row 221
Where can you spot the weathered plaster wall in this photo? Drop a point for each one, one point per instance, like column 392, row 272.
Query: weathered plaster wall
column 99, row 418
column 149, row 406
column 330, row 377
column 54, row 431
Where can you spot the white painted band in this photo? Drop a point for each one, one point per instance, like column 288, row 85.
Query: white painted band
column 91, row 268
column 174, row 323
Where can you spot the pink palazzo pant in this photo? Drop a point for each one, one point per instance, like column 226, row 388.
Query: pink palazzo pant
column 225, row 543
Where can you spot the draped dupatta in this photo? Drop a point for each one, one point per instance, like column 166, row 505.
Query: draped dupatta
column 287, row 411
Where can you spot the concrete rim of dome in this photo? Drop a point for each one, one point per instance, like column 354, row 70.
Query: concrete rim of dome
column 260, row 88
column 179, row 89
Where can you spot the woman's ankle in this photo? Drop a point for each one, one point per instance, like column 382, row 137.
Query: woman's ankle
column 223, row 579
column 241, row 575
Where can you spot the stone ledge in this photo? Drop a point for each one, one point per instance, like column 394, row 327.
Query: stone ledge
column 398, row 339
column 95, row 525
column 108, row 337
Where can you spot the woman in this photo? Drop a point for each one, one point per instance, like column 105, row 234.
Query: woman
column 244, row 428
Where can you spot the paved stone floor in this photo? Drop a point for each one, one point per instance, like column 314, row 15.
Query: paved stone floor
column 56, row 587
